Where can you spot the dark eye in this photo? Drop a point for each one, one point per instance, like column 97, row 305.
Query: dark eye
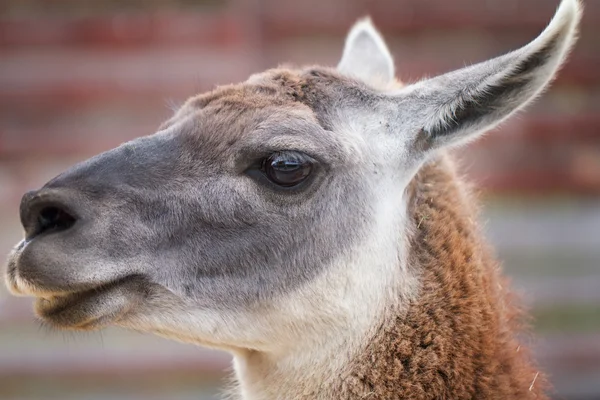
column 287, row 169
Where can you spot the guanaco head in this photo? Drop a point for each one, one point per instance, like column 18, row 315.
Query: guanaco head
column 269, row 212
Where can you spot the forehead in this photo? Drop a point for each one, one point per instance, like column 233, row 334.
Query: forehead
column 232, row 110
column 275, row 88
column 287, row 104
column 311, row 90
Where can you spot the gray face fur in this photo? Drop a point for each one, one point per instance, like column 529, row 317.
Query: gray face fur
column 181, row 225
column 180, row 209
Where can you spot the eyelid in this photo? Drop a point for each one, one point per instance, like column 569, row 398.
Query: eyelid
column 266, row 149
column 251, row 157
column 293, row 154
column 259, row 175
column 258, row 159
column 290, row 142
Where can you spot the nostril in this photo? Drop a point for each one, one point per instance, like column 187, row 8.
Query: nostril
column 53, row 219
column 45, row 211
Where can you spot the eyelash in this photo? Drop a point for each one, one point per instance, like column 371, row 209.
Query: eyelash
column 259, row 170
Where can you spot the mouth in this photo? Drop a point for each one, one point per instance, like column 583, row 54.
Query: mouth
column 77, row 308
column 84, row 310
column 90, row 309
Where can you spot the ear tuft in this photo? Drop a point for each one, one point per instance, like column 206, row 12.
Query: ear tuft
column 366, row 56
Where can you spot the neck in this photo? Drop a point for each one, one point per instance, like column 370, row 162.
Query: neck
column 310, row 374
column 455, row 338
column 310, row 369
column 333, row 316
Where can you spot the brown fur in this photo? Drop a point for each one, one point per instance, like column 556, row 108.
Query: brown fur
column 458, row 339
column 321, row 290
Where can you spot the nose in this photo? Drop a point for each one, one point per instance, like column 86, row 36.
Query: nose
column 46, row 212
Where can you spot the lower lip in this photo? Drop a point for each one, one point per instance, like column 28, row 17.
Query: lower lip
column 84, row 310
column 48, row 312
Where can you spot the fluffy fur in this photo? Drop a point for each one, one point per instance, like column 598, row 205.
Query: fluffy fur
column 459, row 339
column 367, row 280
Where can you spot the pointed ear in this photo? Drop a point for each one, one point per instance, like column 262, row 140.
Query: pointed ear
column 366, row 55
column 457, row 107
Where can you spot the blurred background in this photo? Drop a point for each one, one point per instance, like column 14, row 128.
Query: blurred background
column 80, row 77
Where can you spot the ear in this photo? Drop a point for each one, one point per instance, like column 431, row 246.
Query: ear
column 457, row 107
column 366, row 55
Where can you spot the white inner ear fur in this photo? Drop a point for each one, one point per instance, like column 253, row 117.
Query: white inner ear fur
column 366, row 56
column 491, row 91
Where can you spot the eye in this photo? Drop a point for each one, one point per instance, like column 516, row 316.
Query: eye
column 287, row 169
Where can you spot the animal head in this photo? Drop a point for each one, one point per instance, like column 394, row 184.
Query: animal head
column 264, row 212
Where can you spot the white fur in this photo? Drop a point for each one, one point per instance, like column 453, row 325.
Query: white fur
column 487, row 74
column 335, row 313
column 366, row 55
column 301, row 343
column 19, row 286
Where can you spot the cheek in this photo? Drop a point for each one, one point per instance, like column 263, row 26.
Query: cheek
column 241, row 282
column 228, row 252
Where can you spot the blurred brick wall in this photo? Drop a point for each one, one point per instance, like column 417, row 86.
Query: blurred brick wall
column 80, row 77
column 77, row 78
